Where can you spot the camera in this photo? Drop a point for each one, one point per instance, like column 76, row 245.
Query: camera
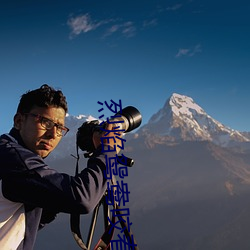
column 127, row 120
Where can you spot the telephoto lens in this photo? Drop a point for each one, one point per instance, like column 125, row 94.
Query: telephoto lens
column 127, row 119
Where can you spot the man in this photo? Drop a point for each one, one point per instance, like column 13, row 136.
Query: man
column 29, row 189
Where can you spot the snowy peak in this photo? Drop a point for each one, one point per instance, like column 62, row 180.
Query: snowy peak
column 182, row 119
column 184, row 105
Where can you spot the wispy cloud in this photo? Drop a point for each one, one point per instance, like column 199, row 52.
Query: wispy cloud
column 189, row 51
column 174, row 7
column 182, row 52
column 150, row 23
column 83, row 24
column 127, row 29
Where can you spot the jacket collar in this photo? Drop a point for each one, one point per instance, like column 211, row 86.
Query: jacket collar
column 15, row 134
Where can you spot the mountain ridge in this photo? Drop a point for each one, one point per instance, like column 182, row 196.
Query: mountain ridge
column 182, row 119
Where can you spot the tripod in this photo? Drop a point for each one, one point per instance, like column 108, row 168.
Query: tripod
column 105, row 241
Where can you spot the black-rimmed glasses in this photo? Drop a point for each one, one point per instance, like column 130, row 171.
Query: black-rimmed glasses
column 49, row 124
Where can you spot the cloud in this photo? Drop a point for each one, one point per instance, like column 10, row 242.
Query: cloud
column 197, row 49
column 182, row 52
column 83, row 24
column 189, row 52
column 174, row 7
column 127, row 29
column 150, row 23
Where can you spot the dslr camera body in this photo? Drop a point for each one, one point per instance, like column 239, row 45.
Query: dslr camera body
column 126, row 120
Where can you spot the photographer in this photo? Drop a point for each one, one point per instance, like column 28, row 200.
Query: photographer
column 31, row 194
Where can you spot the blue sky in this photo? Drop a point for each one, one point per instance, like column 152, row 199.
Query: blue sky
column 137, row 51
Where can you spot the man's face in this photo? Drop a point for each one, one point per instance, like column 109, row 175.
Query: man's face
column 35, row 137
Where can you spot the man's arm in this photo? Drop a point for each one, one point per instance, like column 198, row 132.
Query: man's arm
column 29, row 180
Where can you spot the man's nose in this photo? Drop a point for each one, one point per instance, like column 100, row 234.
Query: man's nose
column 52, row 132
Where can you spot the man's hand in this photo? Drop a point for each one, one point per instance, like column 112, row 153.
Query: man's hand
column 108, row 137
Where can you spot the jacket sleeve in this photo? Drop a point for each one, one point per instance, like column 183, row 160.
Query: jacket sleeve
column 27, row 179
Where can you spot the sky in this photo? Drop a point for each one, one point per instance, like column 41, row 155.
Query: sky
column 139, row 52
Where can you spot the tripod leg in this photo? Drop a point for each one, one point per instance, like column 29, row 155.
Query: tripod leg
column 93, row 224
column 106, row 214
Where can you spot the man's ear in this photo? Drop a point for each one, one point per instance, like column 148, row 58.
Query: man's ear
column 18, row 119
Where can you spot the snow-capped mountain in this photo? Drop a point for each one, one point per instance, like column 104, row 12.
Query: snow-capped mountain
column 182, row 119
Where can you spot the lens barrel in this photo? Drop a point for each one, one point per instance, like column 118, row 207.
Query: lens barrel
column 131, row 117
column 127, row 120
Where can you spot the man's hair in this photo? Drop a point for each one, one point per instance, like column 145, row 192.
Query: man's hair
column 45, row 96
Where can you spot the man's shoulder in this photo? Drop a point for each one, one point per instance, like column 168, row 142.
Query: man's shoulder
column 13, row 154
column 8, row 141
